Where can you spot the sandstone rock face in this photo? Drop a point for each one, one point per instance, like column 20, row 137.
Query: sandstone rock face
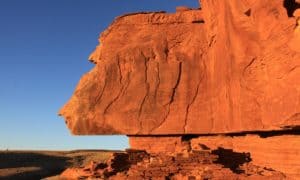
column 232, row 66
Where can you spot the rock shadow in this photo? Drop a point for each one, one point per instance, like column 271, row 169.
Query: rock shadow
column 46, row 165
column 232, row 160
column 290, row 6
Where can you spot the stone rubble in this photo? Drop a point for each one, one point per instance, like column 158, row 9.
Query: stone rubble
column 185, row 165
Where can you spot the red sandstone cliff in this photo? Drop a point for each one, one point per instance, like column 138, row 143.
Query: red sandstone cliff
column 231, row 66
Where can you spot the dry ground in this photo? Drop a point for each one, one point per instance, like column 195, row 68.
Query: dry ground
column 40, row 164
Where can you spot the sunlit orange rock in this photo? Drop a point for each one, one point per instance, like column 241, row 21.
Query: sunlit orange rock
column 232, row 66
column 205, row 93
column 278, row 152
column 194, row 164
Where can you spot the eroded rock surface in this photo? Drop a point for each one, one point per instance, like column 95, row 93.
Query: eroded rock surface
column 228, row 73
column 232, row 66
column 257, row 156
column 280, row 153
column 192, row 165
column 273, row 152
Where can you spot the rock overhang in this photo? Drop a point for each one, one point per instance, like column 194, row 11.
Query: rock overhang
column 215, row 70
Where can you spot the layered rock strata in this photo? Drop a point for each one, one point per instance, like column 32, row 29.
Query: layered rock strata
column 231, row 66
column 238, row 156
column 278, row 151
column 191, row 165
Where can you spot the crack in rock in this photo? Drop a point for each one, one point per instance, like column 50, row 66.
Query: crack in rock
column 147, row 85
column 171, row 98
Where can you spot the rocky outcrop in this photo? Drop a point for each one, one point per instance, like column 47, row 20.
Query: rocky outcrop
column 238, row 156
column 210, row 93
column 193, row 165
column 232, row 66
column 280, row 153
column 276, row 151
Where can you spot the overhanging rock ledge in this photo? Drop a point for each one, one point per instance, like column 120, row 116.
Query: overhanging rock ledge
column 195, row 88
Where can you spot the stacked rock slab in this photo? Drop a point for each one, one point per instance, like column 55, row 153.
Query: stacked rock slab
column 273, row 150
column 230, row 68
column 192, row 165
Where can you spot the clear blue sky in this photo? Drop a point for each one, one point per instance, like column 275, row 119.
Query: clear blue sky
column 44, row 46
